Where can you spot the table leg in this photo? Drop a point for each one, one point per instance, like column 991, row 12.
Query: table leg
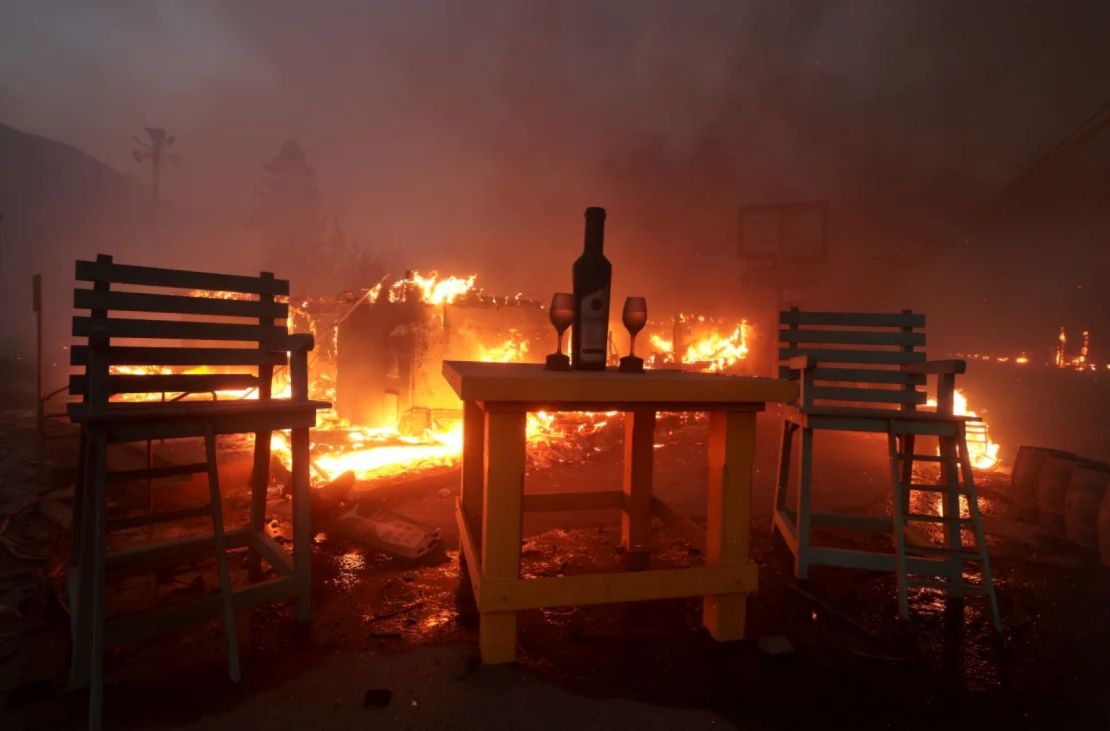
column 639, row 438
column 731, row 454
column 473, row 465
column 501, row 526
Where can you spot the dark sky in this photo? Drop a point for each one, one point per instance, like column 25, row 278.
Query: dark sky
column 474, row 133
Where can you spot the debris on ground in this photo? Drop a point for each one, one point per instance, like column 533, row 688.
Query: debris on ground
column 377, row 698
column 775, row 645
column 381, row 529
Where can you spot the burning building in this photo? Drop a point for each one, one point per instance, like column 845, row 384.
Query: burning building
column 392, row 339
column 380, row 354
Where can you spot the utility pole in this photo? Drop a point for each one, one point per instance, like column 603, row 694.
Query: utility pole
column 157, row 152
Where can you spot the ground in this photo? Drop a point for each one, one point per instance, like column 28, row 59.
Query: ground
column 393, row 643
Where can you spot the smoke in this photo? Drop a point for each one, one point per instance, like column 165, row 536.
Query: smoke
column 470, row 136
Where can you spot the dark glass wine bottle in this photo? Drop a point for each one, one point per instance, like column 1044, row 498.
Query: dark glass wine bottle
column 592, row 275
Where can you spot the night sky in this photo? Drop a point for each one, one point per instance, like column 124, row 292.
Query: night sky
column 470, row 136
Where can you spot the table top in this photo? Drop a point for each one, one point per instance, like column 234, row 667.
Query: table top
column 532, row 383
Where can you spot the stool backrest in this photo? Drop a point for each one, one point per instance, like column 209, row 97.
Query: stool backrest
column 182, row 332
column 857, row 357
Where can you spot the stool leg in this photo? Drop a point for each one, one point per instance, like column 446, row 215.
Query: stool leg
column 79, row 570
column 907, row 445
column 260, row 480
column 302, row 524
column 731, row 458
column 950, row 505
column 221, row 555
column 782, row 477
column 501, row 527
column 98, row 554
column 901, row 507
column 805, row 478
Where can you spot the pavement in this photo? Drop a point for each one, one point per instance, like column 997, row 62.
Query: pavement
column 393, row 642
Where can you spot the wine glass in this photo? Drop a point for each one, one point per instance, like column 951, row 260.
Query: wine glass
column 634, row 317
column 561, row 313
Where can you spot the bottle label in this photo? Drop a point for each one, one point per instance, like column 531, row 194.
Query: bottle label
column 594, row 309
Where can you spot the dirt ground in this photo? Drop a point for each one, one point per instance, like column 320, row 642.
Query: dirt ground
column 393, row 643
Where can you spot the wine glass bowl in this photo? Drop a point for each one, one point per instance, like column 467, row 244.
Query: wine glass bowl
column 561, row 314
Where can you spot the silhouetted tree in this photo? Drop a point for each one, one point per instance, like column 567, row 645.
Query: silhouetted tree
column 288, row 217
column 293, row 232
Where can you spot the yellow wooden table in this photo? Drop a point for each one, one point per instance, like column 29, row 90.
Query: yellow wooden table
column 496, row 399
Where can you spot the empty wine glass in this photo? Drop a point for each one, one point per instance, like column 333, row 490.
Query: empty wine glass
column 561, row 313
column 634, row 318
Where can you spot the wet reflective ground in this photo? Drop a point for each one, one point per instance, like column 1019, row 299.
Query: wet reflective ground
column 852, row 664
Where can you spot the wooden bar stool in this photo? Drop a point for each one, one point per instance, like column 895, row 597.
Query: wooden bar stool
column 865, row 372
column 252, row 317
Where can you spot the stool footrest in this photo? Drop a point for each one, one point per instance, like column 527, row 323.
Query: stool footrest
column 926, row 518
column 952, row 587
column 164, row 516
column 969, row 553
column 154, row 473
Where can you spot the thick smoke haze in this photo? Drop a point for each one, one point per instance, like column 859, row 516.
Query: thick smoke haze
column 471, row 136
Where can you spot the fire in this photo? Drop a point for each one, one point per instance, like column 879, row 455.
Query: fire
column 719, row 352
column 662, row 345
column 382, row 451
column 715, row 350
column 980, row 449
column 1081, row 361
column 376, row 453
column 429, row 288
column 139, row 370
column 513, row 350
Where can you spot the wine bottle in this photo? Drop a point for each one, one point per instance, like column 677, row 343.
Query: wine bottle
column 592, row 275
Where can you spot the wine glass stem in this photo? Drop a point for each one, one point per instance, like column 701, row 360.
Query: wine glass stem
column 560, row 348
column 632, row 346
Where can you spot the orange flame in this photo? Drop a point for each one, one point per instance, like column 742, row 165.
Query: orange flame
column 716, row 351
column 980, row 449
column 513, row 350
column 429, row 288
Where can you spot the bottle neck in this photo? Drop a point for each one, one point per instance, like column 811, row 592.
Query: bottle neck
column 595, row 232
